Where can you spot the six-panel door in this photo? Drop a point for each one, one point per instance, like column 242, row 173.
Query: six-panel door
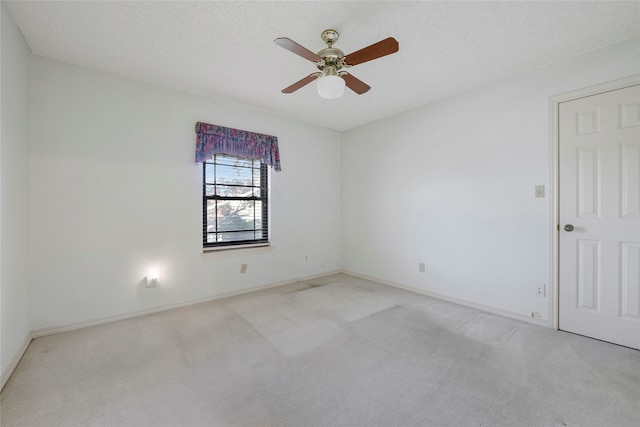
column 599, row 274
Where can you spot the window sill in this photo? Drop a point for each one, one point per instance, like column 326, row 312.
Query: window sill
column 229, row 252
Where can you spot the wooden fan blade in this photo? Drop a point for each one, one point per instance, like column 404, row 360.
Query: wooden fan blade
column 376, row 50
column 297, row 85
column 356, row 85
column 294, row 47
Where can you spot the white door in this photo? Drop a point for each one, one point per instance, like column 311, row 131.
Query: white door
column 599, row 266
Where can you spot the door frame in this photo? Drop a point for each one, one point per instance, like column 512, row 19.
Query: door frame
column 554, row 181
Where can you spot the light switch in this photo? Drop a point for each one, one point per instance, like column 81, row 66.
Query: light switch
column 539, row 191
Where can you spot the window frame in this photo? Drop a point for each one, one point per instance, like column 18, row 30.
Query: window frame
column 263, row 198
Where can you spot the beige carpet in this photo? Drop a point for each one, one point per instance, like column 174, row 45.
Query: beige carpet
column 337, row 351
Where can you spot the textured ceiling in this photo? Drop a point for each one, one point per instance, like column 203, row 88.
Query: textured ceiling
column 226, row 49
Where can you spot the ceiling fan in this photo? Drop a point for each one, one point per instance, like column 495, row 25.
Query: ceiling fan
column 331, row 62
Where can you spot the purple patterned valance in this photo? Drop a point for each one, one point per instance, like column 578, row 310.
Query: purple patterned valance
column 212, row 139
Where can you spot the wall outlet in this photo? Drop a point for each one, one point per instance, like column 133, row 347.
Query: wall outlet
column 540, row 289
column 535, row 315
column 421, row 267
column 243, row 268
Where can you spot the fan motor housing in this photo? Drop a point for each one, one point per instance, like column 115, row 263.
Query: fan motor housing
column 331, row 58
column 331, row 54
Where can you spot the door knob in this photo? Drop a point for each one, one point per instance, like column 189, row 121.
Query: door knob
column 568, row 227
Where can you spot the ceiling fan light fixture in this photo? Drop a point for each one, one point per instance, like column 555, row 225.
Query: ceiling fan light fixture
column 330, row 87
column 331, row 80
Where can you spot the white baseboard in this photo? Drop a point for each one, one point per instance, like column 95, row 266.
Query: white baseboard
column 100, row 321
column 14, row 362
column 470, row 304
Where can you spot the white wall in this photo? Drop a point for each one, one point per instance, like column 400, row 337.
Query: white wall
column 114, row 189
column 14, row 190
column 452, row 185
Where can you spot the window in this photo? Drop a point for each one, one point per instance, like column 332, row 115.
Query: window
column 234, row 202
